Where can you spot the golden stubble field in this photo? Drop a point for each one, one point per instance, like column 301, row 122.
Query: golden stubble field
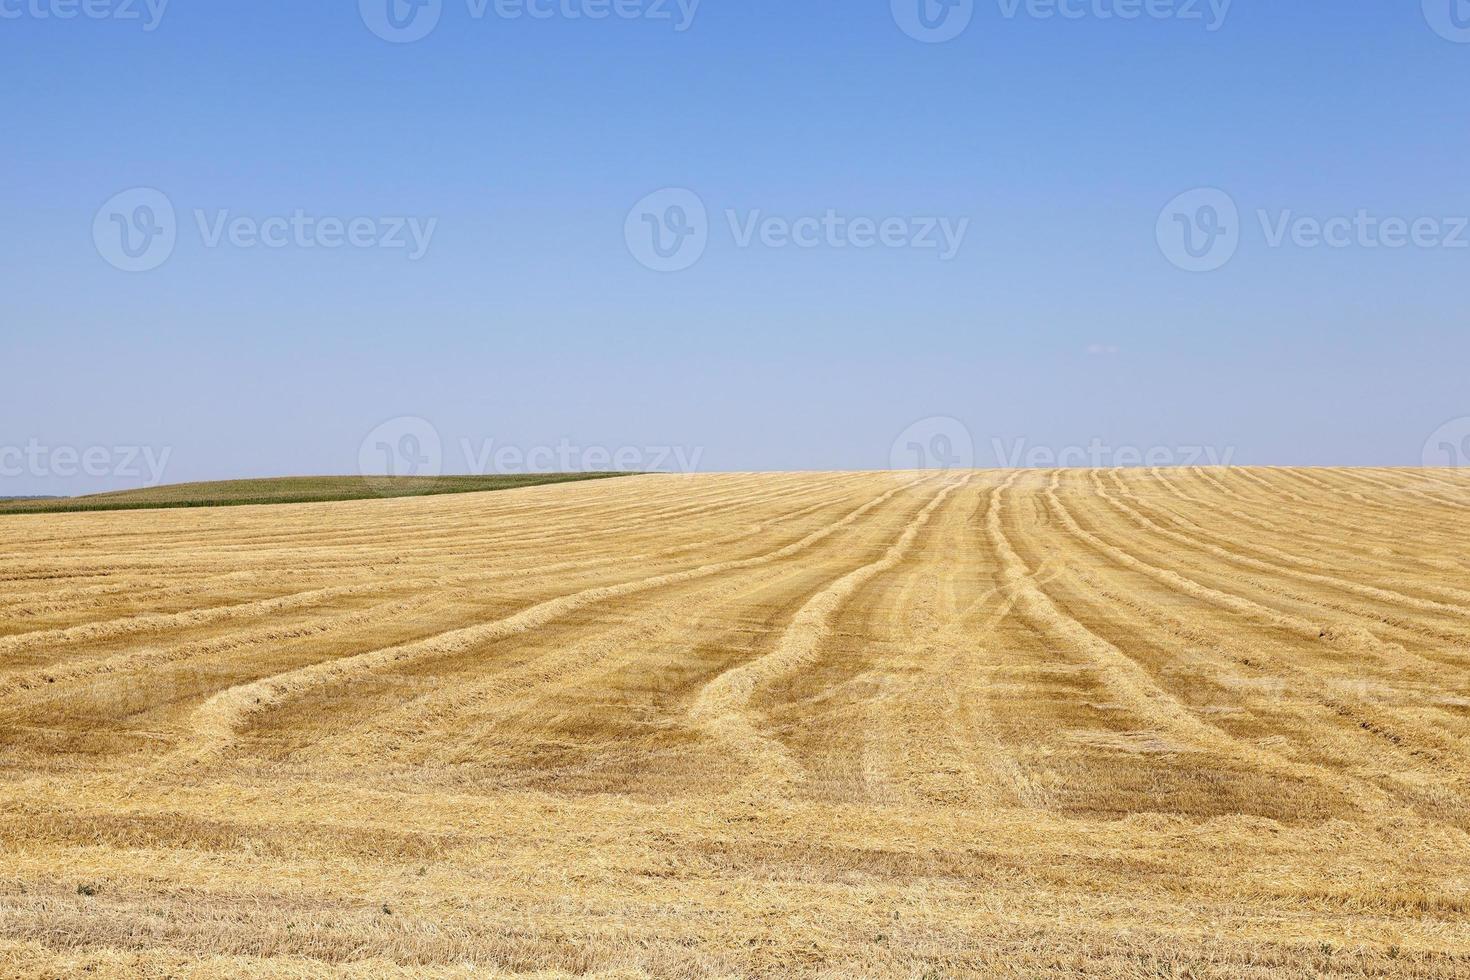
column 1202, row 723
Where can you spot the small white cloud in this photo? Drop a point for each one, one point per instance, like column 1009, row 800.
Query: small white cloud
column 1102, row 350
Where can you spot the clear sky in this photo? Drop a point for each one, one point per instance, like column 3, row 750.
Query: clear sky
column 822, row 312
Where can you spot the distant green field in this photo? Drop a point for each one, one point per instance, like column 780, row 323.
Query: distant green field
column 287, row 490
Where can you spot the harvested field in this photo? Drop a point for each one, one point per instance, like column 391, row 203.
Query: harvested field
column 1166, row 723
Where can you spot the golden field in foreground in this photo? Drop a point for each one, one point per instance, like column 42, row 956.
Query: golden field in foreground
column 1092, row 723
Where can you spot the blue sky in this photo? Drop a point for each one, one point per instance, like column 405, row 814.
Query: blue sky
column 529, row 321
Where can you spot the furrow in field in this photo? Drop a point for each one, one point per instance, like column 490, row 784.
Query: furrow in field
column 55, row 683
column 414, row 524
column 1279, row 492
column 833, row 718
column 528, row 527
column 1260, row 482
column 1138, row 767
column 1128, row 683
column 1237, row 550
column 1383, row 503
column 1301, row 476
column 1350, row 547
column 489, row 702
column 1263, row 687
column 1208, row 475
column 53, row 603
column 722, row 707
column 1350, row 536
column 1451, row 480
column 148, row 623
column 1397, row 495
column 1332, row 490
column 1323, row 728
column 1048, row 739
column 1349, row 634
column 1399, row 482
column 145, row 623
column 149, row 679
column 1427, row 740
column 222, row 716
column 908, row 704
column 1250, row 645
